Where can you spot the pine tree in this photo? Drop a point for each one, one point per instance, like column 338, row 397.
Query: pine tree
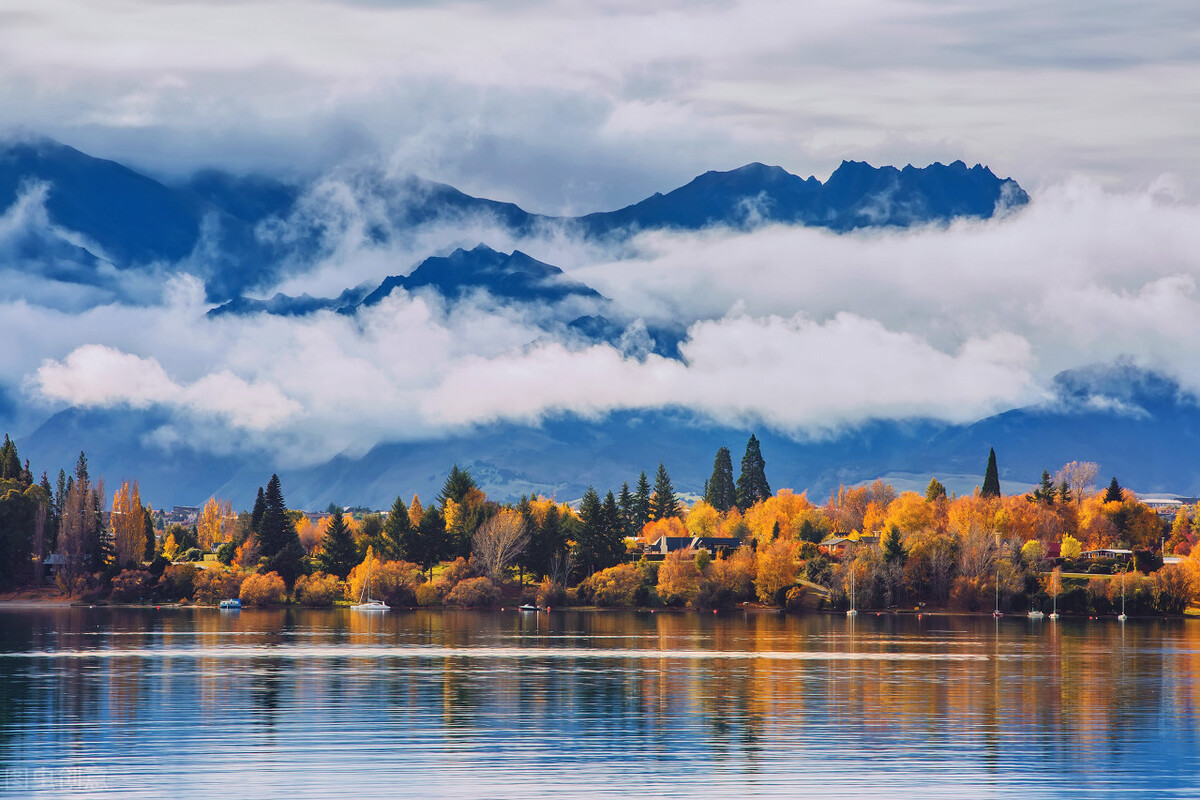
column 260, row 508
column 641, row 503
column 720, row 492
column 1064, row 493
column 663, row 503
column 935, row 490
column 397, row 532
column 893, row 547
column 338, row 553
column 458, row 483
column 626, row 504
column 277, row 538
column 752, row 483
column 1045, row 491
column 1114, row 493
column 600, row 541
column 991, row 477
column 431, row 541
column 10, row 462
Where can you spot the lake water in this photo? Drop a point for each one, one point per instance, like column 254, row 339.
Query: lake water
column 199, row 703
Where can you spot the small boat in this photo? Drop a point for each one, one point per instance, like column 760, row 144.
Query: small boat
column 529, row 607
column 852, row 612
column 1036, row 614
column 233, row 604
column 365, row 603
column 1122, row 616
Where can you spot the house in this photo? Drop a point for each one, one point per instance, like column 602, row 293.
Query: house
column 669, row 544
column 840, row 544
column 1107, row 552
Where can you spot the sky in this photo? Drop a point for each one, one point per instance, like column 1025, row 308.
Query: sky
column 569, row 108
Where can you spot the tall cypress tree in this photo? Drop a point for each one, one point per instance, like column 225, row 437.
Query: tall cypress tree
column 641, row 502
column 338, row 553
column 720, row 491
column 991, row 478
column 625, row 503
column 148, row 533
column 752, row 483
column 663, row 503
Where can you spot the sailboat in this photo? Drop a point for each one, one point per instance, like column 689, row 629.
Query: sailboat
column 851, row 612
column 365, row 603
column 1122, row 617
column 997, row 613
column 1056, row 579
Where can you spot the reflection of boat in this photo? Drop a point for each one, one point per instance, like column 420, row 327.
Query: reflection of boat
column 1056, row 578
column 997, row 613
column 528, row 607
column 234, row 604
column 365, row 603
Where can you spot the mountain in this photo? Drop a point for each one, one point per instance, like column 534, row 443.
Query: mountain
column 1136, row 425
column 240, row 232
column 856, row 195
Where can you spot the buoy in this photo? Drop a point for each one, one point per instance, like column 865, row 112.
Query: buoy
column 714, row 611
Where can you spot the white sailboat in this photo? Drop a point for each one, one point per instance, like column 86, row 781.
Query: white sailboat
column 852, row 612
column 365, row 603
column 1056, row 579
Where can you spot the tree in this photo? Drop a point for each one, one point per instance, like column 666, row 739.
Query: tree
column 260, row 508
column 1045, row 491
column 1071, row 547
column 663, row 503
column 991, row 477
column 776, row 569
column 431, row 543
column 600, row 542
column 626, row 504
column 935, row 490
column 148, row 539
column 679, row 578
column 893, row 547
column 499, row 541
column 397, row 533
column 752, row 483
column 277, row 540
column 211, row 527
column 641, row 502
column 10, row 462
column 338, row 554
column 1114, row 493
column 1079, row 476
column 458, row 483
column 128, row 521
column 721, row 492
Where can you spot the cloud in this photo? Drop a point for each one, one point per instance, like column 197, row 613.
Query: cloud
column 570, row 107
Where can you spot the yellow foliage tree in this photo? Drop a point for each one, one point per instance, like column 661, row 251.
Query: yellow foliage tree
column 678, row 578
column 128, row 525
column 777, row 569
column 668, row 526
column 703, row 520
column 1071, row 547
column 415, row 512
column 911, row 512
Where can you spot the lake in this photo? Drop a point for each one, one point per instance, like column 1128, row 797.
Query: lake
column 294, row 703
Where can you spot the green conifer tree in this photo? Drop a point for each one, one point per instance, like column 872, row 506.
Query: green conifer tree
column 398, row 534
column 277, row 538
column 1114, row 493
column 991, row 477
column 720, row 492
column 338, row 554
column 641, row 502
column 935, row 490
column 752, row 483
column 663, row 503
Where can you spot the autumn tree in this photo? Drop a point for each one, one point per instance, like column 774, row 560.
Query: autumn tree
column 679, row 578
column 128, row 522
column 663, row 503
column 752, row 483
column 991, row 477
column 338, row 554
column 720, row 492
column 1079, row 476
column 777, row 569
column 498, row 543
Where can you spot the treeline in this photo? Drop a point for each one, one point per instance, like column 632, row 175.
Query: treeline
column 903, row 549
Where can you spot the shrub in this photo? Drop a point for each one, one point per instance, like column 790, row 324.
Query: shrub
column 432, row 593
column 615, row 586
column 550, row 593
column 214, row 585
column 131, row 584
column 317, row 589
column 261, row 590
column 177, row 581
column 458, row 570
column 794, row 599
column 193, row 554
column 474, row 593
column 226, row 552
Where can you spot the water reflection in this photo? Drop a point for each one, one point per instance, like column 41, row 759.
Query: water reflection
column 194, row 702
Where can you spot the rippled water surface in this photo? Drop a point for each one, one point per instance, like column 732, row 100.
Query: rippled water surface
column 192, row 703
